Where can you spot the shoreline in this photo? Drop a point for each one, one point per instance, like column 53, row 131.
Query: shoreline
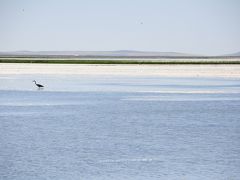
column 120, row 60
column 164, row 70
column 124, row 61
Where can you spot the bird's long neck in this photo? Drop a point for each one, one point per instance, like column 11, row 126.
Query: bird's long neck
column 35, row 82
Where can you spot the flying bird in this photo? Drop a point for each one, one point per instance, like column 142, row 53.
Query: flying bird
column 38, row 85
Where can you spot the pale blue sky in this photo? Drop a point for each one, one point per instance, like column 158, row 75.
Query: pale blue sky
column 208, row 27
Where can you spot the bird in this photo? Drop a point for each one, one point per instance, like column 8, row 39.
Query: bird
column 38, row 85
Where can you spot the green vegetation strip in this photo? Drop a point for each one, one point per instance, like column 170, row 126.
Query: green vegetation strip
column 69, row 61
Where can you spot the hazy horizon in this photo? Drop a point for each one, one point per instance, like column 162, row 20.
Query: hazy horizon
column 207, row 27
column 111, row 53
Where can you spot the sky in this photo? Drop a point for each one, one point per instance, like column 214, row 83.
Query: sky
column 202, row 27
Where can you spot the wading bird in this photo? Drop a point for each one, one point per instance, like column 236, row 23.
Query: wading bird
column 38, row 85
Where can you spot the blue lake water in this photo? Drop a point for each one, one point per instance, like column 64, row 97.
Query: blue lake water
column 87, row 127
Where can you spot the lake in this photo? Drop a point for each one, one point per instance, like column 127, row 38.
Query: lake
column 119, row 127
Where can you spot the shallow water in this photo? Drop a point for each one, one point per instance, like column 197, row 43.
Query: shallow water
column 119, row 128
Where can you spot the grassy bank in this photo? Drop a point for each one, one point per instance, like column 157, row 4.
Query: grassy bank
column 115, row 61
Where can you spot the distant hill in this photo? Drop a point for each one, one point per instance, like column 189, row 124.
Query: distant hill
column 121, row 53
column 234, row 54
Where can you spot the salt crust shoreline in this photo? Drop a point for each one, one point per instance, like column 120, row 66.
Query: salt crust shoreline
column 211, row 71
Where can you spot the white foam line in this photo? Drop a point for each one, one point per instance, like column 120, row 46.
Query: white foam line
column 194, row 92
column 22, row 105
column 182, row 99
column 7, row 78
column 129, row 160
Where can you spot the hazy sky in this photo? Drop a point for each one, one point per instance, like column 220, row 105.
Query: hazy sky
column 208, row 27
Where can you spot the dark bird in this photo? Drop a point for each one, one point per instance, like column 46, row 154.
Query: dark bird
column 38, row 85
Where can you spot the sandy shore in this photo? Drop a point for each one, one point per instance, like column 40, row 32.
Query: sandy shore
column 223, row 71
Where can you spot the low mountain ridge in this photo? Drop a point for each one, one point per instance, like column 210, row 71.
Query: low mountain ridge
column 120, row 53
column 237, row 54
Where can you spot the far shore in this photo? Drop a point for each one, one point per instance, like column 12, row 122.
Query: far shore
column 122, row 60
column 164, row 70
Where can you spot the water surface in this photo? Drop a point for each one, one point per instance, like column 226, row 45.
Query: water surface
column 87, row 127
